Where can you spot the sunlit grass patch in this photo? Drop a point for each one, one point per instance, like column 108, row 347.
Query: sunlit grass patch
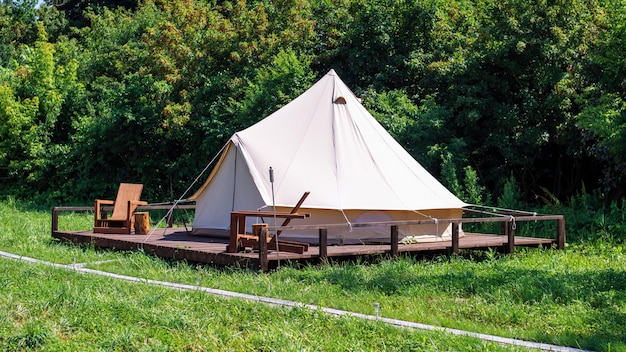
column 575, row 297
column 58, row 309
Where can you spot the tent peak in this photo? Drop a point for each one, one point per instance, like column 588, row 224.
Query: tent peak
column 332, row 72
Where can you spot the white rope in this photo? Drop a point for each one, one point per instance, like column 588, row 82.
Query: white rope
column 533, row 213
column 346, row 218
column 495, row 214
column 436, row 220
column 181, row 199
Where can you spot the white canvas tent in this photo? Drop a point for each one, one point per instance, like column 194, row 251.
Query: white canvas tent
column 327, row 143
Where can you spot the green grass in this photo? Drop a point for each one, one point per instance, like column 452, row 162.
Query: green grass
column 53, row 309
column 575, row 297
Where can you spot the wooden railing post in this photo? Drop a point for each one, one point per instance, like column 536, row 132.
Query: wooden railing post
column 323, row 244
column 510, row 246
column 263, row 263
column 55, row 220
column 394, row 241
column 560, row 233
column 170, row 219
column 455, row 238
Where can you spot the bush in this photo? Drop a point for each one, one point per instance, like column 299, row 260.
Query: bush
column 588, row 218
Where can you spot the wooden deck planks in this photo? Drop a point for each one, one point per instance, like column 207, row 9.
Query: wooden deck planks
column 177, row 244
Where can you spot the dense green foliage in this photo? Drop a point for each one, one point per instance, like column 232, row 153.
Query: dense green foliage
column 574, row 297
column 93, row 93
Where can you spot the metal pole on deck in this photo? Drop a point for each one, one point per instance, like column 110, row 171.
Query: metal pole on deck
column 275, row 225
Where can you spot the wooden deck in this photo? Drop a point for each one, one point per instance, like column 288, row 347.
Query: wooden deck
column 177, row 244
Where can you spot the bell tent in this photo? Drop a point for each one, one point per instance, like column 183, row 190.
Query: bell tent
column 326, row 143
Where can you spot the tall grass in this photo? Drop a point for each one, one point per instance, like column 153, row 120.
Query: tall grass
column 575, row 297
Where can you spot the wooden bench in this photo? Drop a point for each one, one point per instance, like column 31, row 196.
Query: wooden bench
column 239, row 238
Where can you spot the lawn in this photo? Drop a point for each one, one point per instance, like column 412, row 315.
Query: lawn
column 575, row 297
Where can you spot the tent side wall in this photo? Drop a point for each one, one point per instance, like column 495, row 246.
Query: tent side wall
column 230, row 188
column 357, row 235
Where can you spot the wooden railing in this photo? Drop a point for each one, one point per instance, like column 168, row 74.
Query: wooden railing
column 507, row 221
column 507, row 226
column 57, row 210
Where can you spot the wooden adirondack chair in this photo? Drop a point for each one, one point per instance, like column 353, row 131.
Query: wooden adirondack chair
column 121, row 220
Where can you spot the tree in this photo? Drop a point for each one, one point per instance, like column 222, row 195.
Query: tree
column 164, row 82
column 602, row 97
column 19, row 26
column 75, row 10
column 503, row 69
column 147, row 91
column 372, row 43
column 32, row 95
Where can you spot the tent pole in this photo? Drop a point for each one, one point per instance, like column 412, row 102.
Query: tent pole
column 274, row 206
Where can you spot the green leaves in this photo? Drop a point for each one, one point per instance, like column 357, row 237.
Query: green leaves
column 32, row 94
column 147, row 92
column 270, row 89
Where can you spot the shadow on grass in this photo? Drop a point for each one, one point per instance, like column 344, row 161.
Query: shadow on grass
column 596, row 297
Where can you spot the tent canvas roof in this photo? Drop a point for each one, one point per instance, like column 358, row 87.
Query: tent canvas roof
column 325, row 142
